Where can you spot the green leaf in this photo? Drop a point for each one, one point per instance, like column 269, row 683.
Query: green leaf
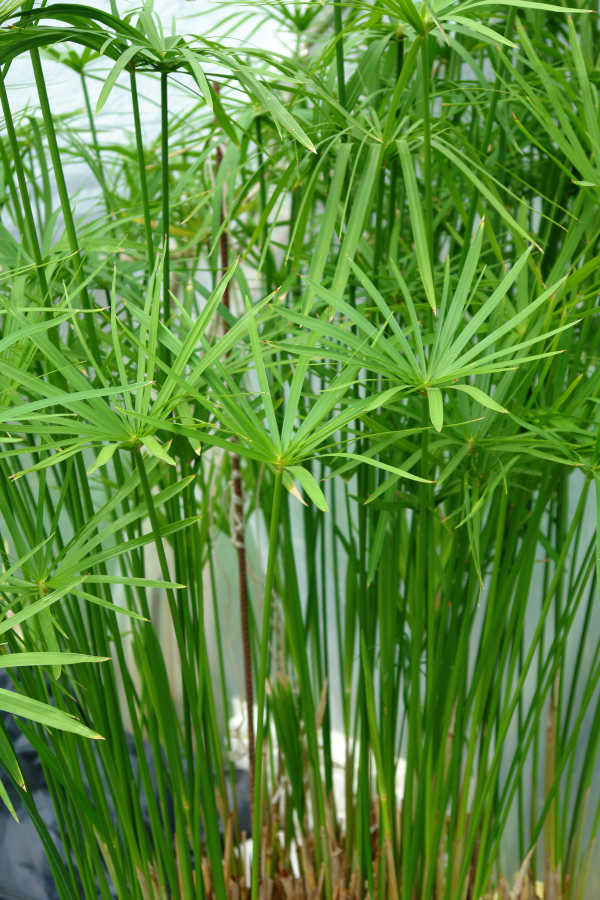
column 452, row 319
column 198, row 74
column 261, row 373
column 436, row 407
column 94, row 412
column 28, row 708
column 322, row 246
column 377, row 464
column 310, row 485
column 417, row 222
column 377, row 544
column 526, row 4
column 590, row 103
column 106, row 604
column 413, row 319
column 7, row 8
column 10, row 660
column 411, row 15
column 105, row 455
column 134, row 581
column 148, row 345
column 478, row 395
column 281, row 116
column 469, row 169
column 114, row 73
column 507, row 326
column 361, row 206
column 4, row 794
column 116, row 340
column 38, row 606
column 389, row 317
column 597, row 542
column 8, row 757
column 184, row 350
column 489, row 34
column 22, row 334
column 156, row 449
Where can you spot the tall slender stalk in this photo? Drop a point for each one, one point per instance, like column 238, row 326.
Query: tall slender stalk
column 63, row 193
column 238, row 530
column 139, row 146
column 30, row 233
column 165, row 219
column 257, row 807
column 427, row 162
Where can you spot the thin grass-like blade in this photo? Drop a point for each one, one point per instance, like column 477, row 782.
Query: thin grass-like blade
column 417, row 221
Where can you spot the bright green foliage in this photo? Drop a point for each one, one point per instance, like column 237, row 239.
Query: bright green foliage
column 362, row 275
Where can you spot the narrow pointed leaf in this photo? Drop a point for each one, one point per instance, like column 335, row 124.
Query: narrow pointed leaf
column 310, row 485
column 198, row 74
column 105, row 455
column 415, row 207
column 8, row 757
column 114, row 73
column 28, row 708
column 44, row 658
column 6, row 799
column 156, row 449
column 436, row 407
column 478, row 395
column 377, row 464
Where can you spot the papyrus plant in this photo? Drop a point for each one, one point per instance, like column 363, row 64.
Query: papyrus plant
column 361, row 274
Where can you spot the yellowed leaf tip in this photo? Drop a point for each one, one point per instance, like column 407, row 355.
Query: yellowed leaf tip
column 296, row 493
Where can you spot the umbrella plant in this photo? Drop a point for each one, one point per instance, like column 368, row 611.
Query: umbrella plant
column 334, row 316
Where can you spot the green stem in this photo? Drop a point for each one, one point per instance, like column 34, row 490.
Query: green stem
column 151, row 509
column 164, row 143
column 63, row 194
column 339, row 52
column 172, row 746
column 262, row 680
column 139, row 144
column 427, row 173
column 30, row 233
column 392, row 205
